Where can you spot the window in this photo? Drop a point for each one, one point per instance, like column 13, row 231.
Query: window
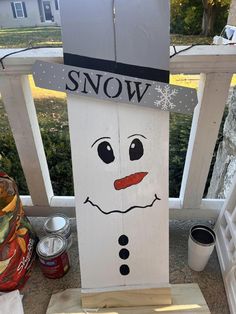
column 18, row 9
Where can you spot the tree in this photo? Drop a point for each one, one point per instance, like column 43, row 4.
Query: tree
column 186, row 17
column 211, row 8
column 232, row 13
column 192, row 17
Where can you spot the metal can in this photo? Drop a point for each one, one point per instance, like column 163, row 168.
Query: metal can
column 53, row 257
column 59, row 224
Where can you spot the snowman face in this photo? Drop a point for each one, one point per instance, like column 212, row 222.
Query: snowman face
column 135, row 152
column 120, row 156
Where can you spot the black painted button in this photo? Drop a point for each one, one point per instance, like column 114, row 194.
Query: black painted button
column 124, row 270
column 124, row 253
column 123, row 240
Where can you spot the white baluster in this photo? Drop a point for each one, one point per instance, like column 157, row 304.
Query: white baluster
column 19, row 105
column 212, row 94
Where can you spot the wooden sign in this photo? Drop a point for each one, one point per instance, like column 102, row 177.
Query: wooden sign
column 120, row 167
column 117, row 52
column 119, row 152
column 114, row 87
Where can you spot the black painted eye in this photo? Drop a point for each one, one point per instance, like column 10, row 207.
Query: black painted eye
column 105, row 152
column 136, row 149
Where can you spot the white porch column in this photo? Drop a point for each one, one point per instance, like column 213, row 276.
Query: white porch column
column 19, row 105
column 212, row 95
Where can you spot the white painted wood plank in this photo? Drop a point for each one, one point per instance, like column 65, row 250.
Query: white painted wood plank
column 222, row 251
column 214, row 204
column 188, row 213
column 174, row 203
column 199, row 59
column 62, row 201
column 212, row 94
column 226, row 245
column 234, row 215
column 102, row 194
column 228, row 271
column 93, row 122
column 230, row 287
column 45, row 211
column 20, row 63
column 232, row 229
column 114, row 184
column 56, row 201
column 19, row 105
column 204, row 59
column 26, row 200
column 147, row 228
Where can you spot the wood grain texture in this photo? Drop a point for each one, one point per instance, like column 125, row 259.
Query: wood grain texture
column 119, row 153
column 104, row 213
column 186, row 299
column 126, row 298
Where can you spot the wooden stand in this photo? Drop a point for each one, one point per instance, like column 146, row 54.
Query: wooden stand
column 186, row 298
column 126, row 298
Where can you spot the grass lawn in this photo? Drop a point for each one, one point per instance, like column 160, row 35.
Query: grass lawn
column 190, row 39
column 37, row 36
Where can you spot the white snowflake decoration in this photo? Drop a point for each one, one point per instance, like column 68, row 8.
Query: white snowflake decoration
column 166, row 95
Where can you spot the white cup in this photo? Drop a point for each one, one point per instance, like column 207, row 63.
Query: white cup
column 201, row 244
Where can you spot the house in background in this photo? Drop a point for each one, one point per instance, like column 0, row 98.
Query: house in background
column 29, row 13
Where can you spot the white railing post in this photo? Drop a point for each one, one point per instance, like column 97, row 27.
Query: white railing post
column 226, row 244
column 18, row 101
column 212, row 96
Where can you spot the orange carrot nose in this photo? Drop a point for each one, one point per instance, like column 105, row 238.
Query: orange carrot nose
column 130, row 180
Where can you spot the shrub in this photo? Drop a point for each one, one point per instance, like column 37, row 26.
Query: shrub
column 53, row 123
column 186, row 17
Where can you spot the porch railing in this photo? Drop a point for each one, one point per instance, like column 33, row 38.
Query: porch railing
column 215, row 64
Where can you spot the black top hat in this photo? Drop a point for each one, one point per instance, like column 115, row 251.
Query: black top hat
column 119, row 50
column 130, row 38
